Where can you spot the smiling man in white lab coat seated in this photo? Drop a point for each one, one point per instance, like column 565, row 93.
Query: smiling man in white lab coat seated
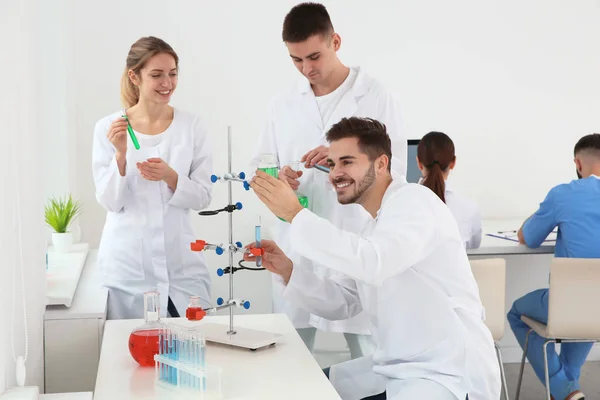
column 408, row 270
column 296, row 125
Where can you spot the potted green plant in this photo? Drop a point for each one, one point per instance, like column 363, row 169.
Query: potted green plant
column 60, row 212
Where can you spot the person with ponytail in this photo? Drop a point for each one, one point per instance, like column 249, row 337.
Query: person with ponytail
column 436, row 158
column 151, row 165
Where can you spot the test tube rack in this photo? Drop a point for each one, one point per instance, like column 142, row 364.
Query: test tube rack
column 238, row 337
column 180, row 363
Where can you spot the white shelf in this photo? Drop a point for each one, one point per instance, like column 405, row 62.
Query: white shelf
column 62, row 275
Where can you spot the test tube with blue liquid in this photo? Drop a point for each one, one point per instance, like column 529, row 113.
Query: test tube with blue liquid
column 180, row 362
column 257, row 241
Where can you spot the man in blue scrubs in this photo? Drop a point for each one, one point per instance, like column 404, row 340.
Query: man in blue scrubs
column 575, row 209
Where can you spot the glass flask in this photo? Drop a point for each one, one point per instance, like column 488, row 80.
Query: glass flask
column 143, row 341
column 268, row 164
column 195, row 312
column 302, row 198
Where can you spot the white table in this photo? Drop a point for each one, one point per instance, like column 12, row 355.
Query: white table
column 67, row 396
column 495, row 246
column 284, row 371
column 73, row 335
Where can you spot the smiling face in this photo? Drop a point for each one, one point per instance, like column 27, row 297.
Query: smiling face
column 157, row 80
column 351, row 172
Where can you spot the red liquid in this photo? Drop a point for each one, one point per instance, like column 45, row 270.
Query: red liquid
column 143, row 345
column 195, row 313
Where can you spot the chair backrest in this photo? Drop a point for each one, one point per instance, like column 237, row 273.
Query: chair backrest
column 574, row 298
column 490, row 275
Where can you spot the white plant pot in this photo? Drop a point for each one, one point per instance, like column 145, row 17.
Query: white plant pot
column 62, row 242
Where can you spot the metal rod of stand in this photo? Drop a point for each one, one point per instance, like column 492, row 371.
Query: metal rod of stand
column 231, row 330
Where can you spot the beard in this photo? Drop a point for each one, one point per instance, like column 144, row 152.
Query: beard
column 361, row 187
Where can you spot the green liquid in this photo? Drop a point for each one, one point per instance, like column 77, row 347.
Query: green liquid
column 273, row 171
column 303, row 202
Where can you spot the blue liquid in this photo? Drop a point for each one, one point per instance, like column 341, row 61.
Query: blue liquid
column 257, row 240
column 190, row 351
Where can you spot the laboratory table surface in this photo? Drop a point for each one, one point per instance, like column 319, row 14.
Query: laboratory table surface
column 286, row 370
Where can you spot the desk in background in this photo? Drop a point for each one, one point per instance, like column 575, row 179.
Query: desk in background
column 284, row 371
column 491, row 246
column 67, row 396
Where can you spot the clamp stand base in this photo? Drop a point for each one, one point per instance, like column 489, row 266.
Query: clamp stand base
column 243, row 337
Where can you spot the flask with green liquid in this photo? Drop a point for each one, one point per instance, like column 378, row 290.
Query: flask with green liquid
column 268, row 164
column 302, row 198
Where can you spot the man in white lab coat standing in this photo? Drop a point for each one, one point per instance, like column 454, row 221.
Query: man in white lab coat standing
column 407, row 269
column 297, row 123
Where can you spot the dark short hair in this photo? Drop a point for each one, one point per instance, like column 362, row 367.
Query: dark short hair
column 588, row 142
column 306, row 20
column 373, row 139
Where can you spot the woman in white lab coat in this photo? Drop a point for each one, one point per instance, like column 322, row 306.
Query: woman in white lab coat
column 436, row 158
column 149, row 191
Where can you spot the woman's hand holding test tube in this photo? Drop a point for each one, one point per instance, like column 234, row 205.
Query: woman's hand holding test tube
column 117, row 135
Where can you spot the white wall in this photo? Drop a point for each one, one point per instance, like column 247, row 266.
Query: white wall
column 513, row 83
column 22, row 174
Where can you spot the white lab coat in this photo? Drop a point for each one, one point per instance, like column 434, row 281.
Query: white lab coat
column 146, row 239
column 409, row 271
column 295, row 127
column 467, row 215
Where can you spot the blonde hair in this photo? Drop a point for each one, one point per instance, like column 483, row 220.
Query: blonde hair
column 139, row 54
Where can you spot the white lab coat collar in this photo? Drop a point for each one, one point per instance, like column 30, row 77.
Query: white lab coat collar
column 449, row 185
column 397, row 182
column 360, row 87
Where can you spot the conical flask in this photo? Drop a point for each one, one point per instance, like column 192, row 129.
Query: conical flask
column 143, row 341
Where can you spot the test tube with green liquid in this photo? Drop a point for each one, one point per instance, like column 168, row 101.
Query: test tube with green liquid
column 131, row 133
column 303, row 199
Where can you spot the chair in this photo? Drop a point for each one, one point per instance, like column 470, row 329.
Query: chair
column 490, row 275
column 574, row 284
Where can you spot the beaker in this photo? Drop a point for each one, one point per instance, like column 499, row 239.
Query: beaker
column 268, row 164
column 296, row 166
column 302, row 198
column 195, row 312
column 143, row 341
